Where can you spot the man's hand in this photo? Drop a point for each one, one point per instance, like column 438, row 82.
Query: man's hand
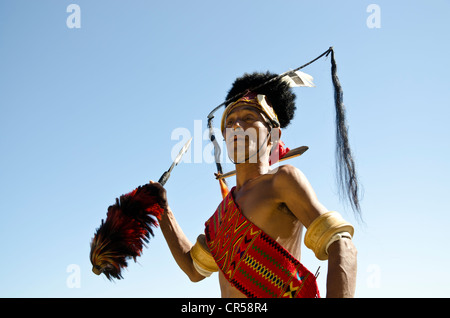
column 160, row 192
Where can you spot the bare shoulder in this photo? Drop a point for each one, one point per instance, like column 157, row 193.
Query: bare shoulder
column 293, row 189
column 288, row 175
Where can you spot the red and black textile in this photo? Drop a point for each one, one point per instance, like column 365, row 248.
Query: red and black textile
column 252, row 261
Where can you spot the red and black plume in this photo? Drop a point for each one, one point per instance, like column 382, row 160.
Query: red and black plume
column 128, row 226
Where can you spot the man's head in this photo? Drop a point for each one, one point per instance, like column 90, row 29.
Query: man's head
column 247, row 132
column 251, row 124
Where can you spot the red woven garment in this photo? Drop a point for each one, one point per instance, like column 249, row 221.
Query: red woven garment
column 251, row 260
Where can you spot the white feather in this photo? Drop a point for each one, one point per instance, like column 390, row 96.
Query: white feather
column 298, row 78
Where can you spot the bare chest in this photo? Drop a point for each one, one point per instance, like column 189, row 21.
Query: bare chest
column 262, row 206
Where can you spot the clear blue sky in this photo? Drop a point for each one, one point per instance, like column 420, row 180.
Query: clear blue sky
column 87, row 114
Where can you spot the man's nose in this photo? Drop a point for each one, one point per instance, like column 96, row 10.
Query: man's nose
column 237, row 124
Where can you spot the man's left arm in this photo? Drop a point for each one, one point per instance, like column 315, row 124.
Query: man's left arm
column 295, row 190
column 341, row 277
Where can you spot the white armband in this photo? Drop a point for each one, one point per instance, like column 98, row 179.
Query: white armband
column 202, row 259
column 324, row 230
column 337, row 237
column 201, row 270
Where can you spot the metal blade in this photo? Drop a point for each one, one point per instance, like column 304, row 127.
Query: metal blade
column 166, row 174
column 182, row 152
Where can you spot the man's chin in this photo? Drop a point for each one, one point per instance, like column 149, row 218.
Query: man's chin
column 237, row 160
column 242, row 158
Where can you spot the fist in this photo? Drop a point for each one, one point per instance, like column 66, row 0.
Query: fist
column 159, row 191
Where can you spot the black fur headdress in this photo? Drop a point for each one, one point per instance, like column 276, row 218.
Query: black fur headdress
column 278, row 92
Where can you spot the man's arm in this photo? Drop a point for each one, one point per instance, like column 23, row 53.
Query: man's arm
column 297, row 193
column 341, row 277
column 177, row 241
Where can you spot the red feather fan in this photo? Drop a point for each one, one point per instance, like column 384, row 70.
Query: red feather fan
column 127, row 228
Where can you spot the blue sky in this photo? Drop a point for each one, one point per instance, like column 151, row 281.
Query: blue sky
column 88, row 114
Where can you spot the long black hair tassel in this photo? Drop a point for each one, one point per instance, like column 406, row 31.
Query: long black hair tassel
column 345, row 165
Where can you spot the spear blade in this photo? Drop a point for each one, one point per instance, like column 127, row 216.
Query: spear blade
column 182, row 152
column 166, row 174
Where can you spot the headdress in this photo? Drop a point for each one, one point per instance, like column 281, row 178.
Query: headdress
column 258, row 101
column 278, row 94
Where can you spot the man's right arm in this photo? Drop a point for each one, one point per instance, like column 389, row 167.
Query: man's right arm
column 178, row 243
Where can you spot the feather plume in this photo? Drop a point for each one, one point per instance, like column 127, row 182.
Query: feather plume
column 128, row 226
column 298, row 79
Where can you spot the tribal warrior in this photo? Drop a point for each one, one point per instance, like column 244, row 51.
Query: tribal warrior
column 254, row 238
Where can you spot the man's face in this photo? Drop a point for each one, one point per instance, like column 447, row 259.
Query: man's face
column 246, row 134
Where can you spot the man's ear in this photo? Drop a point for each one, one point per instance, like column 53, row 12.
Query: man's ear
column 275, row 136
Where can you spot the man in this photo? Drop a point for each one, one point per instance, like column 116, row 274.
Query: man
column 254, row 238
